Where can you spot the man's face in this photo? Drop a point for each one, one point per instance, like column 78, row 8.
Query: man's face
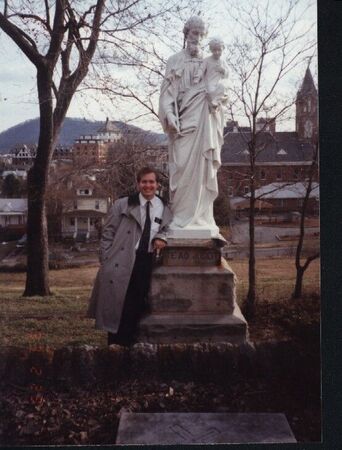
column 216, row 52
column 194, row 38
column 148, row 185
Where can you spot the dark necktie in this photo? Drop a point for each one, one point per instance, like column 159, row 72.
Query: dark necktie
column 145, row 237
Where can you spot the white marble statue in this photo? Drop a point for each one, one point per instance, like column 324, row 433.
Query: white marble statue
column 214, row 72
column 190, row 110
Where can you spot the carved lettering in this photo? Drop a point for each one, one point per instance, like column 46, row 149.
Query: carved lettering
column 183, row 255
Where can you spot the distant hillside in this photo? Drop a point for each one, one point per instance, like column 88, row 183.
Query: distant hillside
column 27, row 132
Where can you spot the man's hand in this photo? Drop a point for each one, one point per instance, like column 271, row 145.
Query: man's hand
column 158, row 244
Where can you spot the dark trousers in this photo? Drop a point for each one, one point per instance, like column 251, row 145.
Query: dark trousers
column 135, row 301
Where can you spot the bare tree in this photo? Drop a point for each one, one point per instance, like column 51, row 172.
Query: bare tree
column 55, row 37
column 301, row 268
column 61, row 38
column 267, row 48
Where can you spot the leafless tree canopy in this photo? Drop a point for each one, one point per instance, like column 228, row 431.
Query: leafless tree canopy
column 269, row 43
column 61, row 38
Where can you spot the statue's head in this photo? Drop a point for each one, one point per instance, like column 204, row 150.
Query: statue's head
column 194, row 31
column 216, row 46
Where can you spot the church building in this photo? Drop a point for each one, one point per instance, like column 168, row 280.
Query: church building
column 284, row 157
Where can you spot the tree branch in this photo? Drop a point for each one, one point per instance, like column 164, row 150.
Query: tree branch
column 23, row 41
column 57, row 34
column 34, row 17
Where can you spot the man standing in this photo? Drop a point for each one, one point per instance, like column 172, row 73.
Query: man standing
column 135, row 227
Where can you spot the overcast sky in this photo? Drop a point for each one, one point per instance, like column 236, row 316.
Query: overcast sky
column 18, row 100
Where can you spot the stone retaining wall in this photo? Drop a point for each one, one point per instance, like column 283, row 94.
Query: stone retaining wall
column 86, row 365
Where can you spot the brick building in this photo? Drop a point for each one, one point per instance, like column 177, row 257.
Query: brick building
column 93, row 149
column 282, row 157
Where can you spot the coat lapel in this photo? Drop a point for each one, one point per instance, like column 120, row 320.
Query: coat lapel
column 133, row 208
column 135, row 212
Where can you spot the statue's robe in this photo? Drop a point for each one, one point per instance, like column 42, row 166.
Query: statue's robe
column 194, row 153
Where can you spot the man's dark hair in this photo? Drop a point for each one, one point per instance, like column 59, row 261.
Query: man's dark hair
column 145, row 170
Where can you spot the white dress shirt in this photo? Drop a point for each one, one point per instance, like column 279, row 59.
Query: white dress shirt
column 156, row 212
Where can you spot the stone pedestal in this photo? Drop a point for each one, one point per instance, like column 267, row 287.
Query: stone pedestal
column 192, row 297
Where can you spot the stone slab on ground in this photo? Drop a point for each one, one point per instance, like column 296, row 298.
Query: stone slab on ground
column 203, row 428
column 186, row 328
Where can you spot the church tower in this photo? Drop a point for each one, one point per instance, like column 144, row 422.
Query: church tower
column 307, row 109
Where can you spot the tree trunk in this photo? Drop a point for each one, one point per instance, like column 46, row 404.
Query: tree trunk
column 37, row 278
column 249, row 309
column 297, row 293
column 300, row 269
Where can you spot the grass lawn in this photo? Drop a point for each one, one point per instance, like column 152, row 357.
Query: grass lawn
column 60, row 320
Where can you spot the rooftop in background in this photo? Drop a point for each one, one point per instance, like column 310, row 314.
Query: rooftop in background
column 286, row 190
column 13, row 204
column 308, row 85
column 281, row 146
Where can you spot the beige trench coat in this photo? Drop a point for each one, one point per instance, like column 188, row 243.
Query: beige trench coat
column 121, row 232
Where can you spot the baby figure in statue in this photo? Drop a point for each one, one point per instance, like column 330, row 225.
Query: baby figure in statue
column 214, row 72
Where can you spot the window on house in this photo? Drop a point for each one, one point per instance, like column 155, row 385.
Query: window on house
column 75, row 204
column 230, row 175
column 262, row 175
column 296, row 174
column 279, row 175
column 246, row 189
column 83, row 192
column 97, row 204
column 72, row 221
column 230, row 192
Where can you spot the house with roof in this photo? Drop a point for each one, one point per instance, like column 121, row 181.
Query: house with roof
column 84, row 206
column 23, row 156
column 283, row 157
column 13, row 217
column 18, row 173
column 280, row 197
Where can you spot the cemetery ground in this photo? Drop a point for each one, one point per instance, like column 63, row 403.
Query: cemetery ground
column 71, row 413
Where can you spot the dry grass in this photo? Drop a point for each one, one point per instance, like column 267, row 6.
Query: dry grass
column 60, row 319
column 275, row 276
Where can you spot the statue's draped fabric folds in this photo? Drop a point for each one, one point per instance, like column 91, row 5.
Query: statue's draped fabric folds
column 195, row 139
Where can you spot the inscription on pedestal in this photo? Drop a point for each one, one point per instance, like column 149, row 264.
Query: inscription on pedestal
column 191, row 256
